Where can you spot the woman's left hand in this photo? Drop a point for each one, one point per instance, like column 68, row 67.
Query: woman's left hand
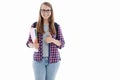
column 49, row 39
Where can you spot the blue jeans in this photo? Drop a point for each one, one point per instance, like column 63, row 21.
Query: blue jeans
column 44, row 70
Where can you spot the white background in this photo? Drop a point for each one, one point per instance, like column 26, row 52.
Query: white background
column 91, row 29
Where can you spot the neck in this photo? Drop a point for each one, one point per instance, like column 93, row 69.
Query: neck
column 46, row 22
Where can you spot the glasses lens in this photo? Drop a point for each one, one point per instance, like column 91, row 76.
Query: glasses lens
column 43, row 10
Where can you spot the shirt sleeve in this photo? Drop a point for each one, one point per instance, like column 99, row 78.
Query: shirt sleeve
column 60, row 38
column 29, row 41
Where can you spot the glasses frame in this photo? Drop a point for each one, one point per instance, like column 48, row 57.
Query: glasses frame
column 45, row 10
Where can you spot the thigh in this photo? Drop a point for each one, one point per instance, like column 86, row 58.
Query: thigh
column 39, row 70
column 52, row 70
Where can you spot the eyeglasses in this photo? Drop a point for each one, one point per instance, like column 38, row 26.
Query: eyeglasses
column 47, row 10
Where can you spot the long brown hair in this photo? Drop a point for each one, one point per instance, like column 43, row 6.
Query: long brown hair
column 40, row 22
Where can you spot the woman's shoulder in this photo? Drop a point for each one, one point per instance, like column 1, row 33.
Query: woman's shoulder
column 56, row 24
column 34, row 24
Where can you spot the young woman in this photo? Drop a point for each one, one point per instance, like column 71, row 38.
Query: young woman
column 49, row 38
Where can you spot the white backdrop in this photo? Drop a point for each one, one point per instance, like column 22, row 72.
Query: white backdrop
column 91, row 29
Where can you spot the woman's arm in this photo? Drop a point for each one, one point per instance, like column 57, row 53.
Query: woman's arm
column 59, row 41
column 49, row 39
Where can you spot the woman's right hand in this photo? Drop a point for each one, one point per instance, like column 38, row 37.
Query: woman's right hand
column 36, row 44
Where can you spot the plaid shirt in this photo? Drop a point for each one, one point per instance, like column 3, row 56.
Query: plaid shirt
column 54, row 55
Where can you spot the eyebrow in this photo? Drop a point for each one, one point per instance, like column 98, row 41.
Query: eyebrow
column 45, row 9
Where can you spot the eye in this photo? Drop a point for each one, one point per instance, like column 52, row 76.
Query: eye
column 46, row 10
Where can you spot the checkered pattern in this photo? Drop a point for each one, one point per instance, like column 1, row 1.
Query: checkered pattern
column 54, row 55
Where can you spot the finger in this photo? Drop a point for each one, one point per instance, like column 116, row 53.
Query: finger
column 49, row 35
column 36, row 41
column 36, row 45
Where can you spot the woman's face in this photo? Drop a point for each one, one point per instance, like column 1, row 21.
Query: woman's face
column 45, row 12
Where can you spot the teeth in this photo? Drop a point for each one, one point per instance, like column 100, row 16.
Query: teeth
column 45, row 15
